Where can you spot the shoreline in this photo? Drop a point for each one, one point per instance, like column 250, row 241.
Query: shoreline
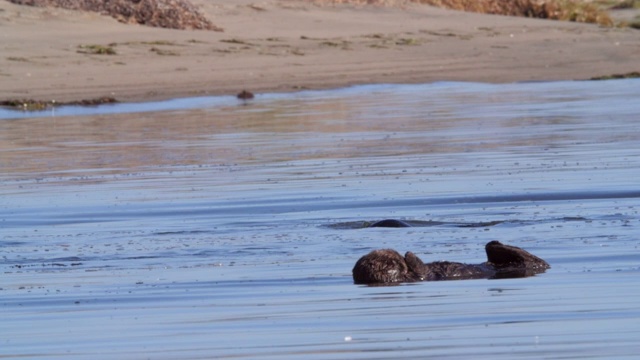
column 31, row 105
column 290, row 46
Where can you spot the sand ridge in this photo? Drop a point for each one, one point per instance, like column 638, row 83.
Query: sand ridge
column 286, row 45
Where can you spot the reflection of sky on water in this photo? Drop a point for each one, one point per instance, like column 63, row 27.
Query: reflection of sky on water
column 205, row 232
column 557, row 97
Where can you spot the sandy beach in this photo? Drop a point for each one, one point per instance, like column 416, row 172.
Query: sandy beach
column 282, row 46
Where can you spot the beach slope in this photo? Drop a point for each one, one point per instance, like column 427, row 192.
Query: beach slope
column 278, row 46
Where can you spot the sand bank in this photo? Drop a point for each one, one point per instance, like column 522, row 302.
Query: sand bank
column 277, row 46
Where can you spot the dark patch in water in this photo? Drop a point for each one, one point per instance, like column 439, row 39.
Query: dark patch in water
column 20, row 266
column 140, row 257
column 481, row 224
column 367, row 224
column 392, row 223
column 187, row 232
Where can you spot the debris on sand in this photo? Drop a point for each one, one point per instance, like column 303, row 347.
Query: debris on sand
column 172, row 14
column 38, row 105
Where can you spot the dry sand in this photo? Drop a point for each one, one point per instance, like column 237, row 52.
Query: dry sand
column 286, row 45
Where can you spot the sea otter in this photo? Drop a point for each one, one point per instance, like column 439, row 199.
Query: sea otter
column 390, row 223
column 387, row 266
column 245, row 95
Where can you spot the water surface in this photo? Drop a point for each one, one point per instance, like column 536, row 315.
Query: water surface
column 215, row 229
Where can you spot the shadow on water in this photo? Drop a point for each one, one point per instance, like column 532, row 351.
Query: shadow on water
column 427, row 223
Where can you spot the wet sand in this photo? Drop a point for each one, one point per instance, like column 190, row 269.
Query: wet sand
column 282, row 46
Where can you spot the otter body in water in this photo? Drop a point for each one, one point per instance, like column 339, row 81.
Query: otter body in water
column 390, row 223
column 387, row 266
column 245, row 95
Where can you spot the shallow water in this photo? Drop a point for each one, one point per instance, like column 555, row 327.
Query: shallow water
column 214, row 229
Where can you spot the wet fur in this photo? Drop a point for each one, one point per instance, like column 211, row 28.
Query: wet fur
column 387, row 266
column 391, row 223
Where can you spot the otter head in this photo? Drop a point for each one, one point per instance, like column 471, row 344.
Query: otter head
column 387, row 266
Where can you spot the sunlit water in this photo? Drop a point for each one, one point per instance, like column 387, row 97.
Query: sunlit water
column 215, row 229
